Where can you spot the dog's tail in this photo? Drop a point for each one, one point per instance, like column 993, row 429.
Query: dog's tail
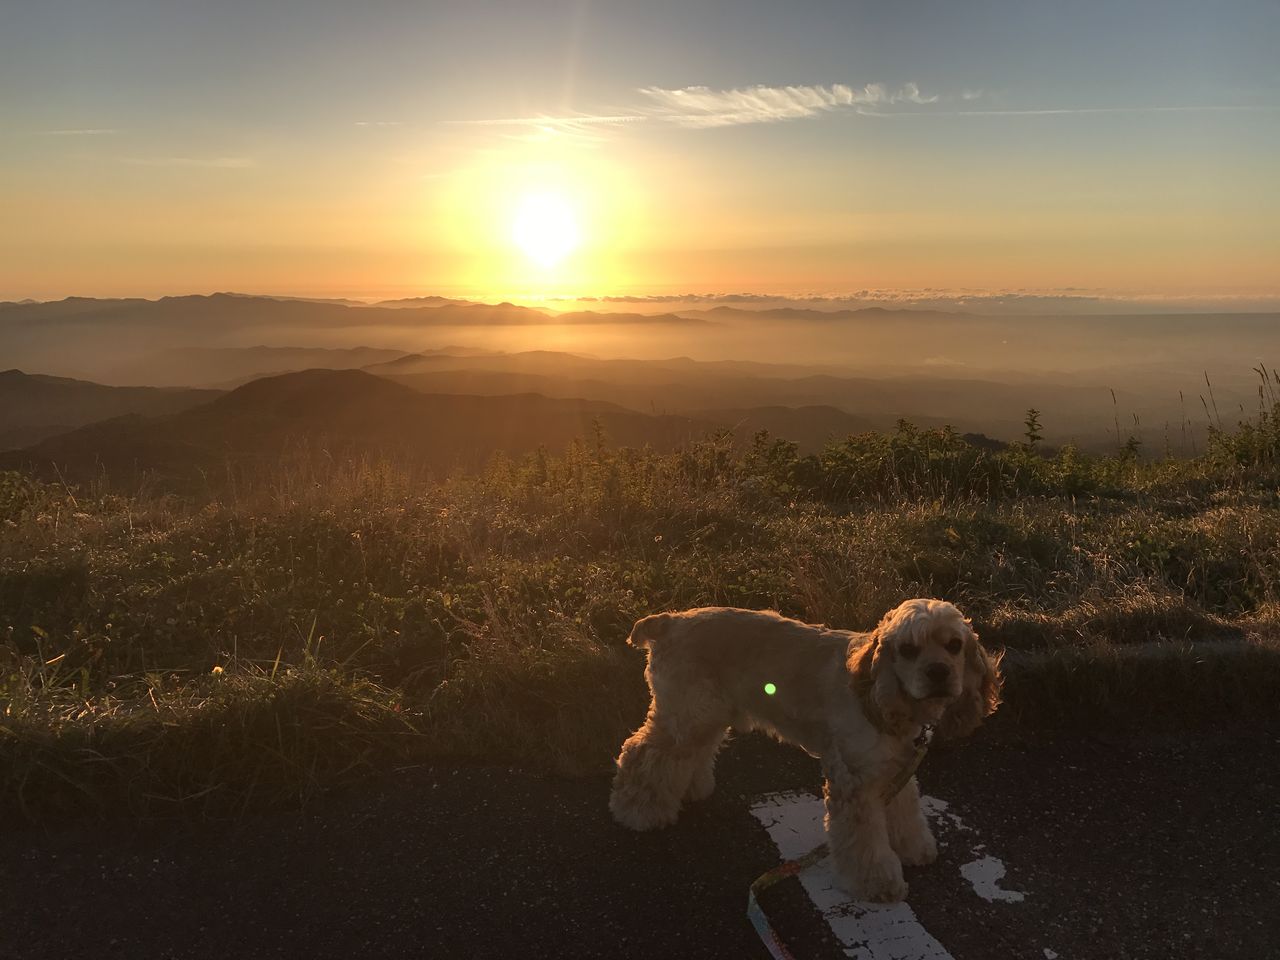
column 650, row 629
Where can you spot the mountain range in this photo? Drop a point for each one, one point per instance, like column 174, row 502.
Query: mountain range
column 35, row 406
column 805, row 375
column 340, row 414
column 94, row 339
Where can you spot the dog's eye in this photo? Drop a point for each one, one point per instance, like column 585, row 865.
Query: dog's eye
column 909, row 651
column 954, row 645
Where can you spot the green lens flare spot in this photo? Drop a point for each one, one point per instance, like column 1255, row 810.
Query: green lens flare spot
column 770, row 689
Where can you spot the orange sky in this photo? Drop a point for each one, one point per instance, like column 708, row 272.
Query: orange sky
column 399, row 170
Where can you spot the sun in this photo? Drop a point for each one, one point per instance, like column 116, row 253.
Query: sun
column 545, row 228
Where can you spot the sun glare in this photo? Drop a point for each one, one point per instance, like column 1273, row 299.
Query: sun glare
column 536, row 220
column 545, row 228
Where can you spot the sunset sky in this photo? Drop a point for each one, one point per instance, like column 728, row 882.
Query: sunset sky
column 389, row 148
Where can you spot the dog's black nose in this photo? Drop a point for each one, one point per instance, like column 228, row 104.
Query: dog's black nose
column 938, row 672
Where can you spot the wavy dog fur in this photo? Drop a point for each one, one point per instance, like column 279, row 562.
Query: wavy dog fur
column 854, row 700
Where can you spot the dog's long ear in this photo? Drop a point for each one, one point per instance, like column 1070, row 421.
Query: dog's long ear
column 981, row 692
column 861, row 662
column 874, row 681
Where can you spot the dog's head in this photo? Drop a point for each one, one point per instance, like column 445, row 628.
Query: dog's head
column 924, row 664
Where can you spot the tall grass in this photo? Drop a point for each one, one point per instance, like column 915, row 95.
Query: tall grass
column 327, row 618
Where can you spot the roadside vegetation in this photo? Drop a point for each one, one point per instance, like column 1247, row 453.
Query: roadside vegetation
column 272, row 637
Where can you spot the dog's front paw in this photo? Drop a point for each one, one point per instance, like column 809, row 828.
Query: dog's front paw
column 878, row 881
column 889, row 890
column 919, row 849
column 701, row 786
column 643, row 811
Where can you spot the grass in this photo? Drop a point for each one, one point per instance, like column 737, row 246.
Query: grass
column 259, row 643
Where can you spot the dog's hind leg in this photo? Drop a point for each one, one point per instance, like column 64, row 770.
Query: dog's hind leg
column 654, row 771
column 669, row 758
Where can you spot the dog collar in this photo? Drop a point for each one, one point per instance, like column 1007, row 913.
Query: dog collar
column 925, row 738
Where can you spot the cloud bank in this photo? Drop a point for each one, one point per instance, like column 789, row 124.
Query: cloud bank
column 1057, row 301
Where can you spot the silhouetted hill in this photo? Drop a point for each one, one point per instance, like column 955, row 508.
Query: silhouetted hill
column 346, row 413
column 17, row 311
column 420, row 302
column 801, row 406
column 593, row 317
column 34, row 406
column 342, row 300
column 555, row 363
column 228, row 367
column 723, row 313
column 809, row 427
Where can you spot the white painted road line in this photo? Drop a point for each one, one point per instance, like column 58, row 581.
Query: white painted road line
column 867, row 931
column 871, row 931
column 985, row 875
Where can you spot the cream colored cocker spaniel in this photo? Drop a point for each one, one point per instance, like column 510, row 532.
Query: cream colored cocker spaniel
column 856, row 701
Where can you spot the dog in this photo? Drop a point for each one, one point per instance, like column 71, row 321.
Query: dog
column 858, row 702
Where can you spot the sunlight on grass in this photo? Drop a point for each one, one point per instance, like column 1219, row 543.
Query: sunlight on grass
column 318, row 619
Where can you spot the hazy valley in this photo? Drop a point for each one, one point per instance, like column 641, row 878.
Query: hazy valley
column 803, row 375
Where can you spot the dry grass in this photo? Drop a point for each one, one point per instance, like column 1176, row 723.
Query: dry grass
column 258, row 644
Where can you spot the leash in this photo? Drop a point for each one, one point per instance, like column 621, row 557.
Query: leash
column 790, row 868
column 773, row 943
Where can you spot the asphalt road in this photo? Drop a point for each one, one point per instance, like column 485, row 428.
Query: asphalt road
column 1156, row 846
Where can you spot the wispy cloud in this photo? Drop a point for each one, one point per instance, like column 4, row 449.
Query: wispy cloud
column 581, row 127
column 701, row 107
column 1168, row 108
column 380, row 123
column 704, row 108
column 84, row 132
column 910, row 93
column 220, row 163
column 543, row 120
column 578, row 127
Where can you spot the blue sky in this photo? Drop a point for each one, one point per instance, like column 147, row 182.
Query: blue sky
column 889, row 115
column 245, row 64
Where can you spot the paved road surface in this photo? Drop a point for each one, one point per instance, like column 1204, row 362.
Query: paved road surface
column 1152, row 847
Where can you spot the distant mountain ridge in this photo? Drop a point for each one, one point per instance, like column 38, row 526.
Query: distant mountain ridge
column 347, row 413
column 810, row 315
column 87, row 338
column 728, row 391
column 420, row 302
column 241, row 309
column 874, row 364
column 35, row 406
column 220, row 366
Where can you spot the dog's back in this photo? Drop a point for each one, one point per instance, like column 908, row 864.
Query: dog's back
column 648, row 629
column 725, row 640
column 714, row 622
